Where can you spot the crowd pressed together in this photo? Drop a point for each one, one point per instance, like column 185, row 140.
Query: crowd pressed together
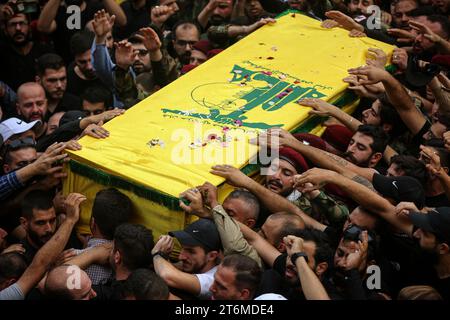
column 361, row 212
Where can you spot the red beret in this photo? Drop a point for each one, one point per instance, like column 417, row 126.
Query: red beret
column 203, row 46
column 213, row 52
column 338, row 136
column 313, row 140
column 294, row 158
column 186, row 68
column 441, row 59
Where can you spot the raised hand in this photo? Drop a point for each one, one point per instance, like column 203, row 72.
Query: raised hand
column 434, row 166
column 403, row 36
column 102, row 23
column 426, row 31
column 164, row 245
column 160, row 14
column 150, row 39
column 357, row 259
column 125, row 54
column 293, row 244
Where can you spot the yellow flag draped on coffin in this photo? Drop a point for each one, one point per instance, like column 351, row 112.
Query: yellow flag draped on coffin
column 168, row 142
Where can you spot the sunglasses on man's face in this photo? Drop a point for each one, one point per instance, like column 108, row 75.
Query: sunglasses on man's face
column 353, row 233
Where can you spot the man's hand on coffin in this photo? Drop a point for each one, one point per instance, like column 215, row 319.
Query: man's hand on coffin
column 96, row 131
column 196, row 205
column 234, row 176
column 209, row 194
column 320, row 107
column 376, row 57
column 72, row 205
column 275, row 138
column 314, row 179
column 373, row 74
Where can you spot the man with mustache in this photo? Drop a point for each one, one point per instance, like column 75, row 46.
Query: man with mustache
column 52, row 75
column 19, row 53
column 39, row 221
column 216, row 13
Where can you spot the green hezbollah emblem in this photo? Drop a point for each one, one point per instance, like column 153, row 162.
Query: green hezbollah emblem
column 273, row 95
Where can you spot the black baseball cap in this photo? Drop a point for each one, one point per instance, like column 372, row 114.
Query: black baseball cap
column 202, row 232
column 400, row 189
column 70, row 116
column 436, row 222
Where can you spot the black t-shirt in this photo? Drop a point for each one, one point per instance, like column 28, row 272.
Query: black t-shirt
column 17, row 69
column 437, row 201
column 110, row 291
column 68, row 102
column 136, row 19
column 76, row 85
column 61, row 36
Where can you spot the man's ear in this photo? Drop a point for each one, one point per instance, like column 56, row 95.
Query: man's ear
column 92, row 224
column 445, row 169
column 444, row 249
column 24, row 223
column 212, row 255
column 387, row 127
column 245, row 293
column 281, row 247
column 250, row 223
column 117, row 257
column 375, row 158
column 6, row 168
column 37, row 79
column 321, row 268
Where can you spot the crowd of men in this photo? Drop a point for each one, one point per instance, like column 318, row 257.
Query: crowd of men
column 361, row 212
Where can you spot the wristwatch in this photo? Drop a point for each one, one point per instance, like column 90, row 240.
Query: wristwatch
column 160, row 253
column 297, row 255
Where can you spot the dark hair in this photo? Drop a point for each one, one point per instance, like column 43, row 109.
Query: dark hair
column 389, row 115
column 81, row 42
column 111, row 208
column 145, row 284
column 15, row 145
column 249, row 198
column 289, row 223
column 422, row 11
column 380, row 138
column 323, row 252
column 248, row 272
column 36, row 199
column 96, row 94
column 443, row 21
column 134, row 243
column 411, row 166
column 48, row 61
column 12, row 265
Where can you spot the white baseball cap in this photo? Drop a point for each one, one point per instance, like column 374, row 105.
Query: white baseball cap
column 13, row 126
column 270, row 296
